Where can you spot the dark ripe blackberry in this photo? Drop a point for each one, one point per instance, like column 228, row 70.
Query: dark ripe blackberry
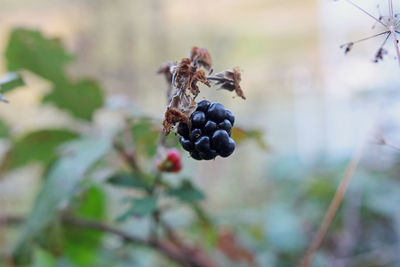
column 183, row 130
column 194, row 135
column 198, row 119
column 209, row 155
column 186, row 144
column 202, row 144
column 216, row 112
column 203, row 105
column 210, row 132
column 210, row 127
column 227, row 149
column 225, row 125
column 220, row 139
column 230, row 116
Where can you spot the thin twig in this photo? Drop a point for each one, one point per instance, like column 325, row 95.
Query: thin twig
column 335, row 204
column 365, row 39
column 129, row 158
column 367, row 13
column 351, row 228
column 390, row 2
column 391, row 145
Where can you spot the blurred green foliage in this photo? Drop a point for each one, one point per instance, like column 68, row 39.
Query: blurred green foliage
column 30, row 50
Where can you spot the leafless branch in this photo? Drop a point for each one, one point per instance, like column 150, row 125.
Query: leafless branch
column 183, row 255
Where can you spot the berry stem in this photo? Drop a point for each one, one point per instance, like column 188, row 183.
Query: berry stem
column 395, row 41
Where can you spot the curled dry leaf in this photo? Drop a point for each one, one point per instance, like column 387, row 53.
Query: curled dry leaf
column 166, row 69
column 229, row 80
column 187, row 75
column 200, row 56
column 173, row 116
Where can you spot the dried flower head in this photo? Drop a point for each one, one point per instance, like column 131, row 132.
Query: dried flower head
column 389, row 22
column 183, row 79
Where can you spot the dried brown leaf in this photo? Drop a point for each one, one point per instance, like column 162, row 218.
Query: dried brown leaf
column 187, row 76
column 200, row 56
column 166, row 69
column 229, row 80
column 198, row 76
column 173, row 116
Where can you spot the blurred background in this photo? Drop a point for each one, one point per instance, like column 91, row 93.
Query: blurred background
column 313, row 104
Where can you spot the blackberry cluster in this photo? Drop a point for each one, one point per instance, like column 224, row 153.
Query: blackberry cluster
column 211, row 132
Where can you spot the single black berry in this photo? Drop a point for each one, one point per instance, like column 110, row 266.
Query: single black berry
column 183, row 130
column 227, row 149
column 225, row 125
column 230, row 116
column 209, row 155
column 203, row 105
column 202, row 144
column 195, row 134
column 198, row 119
column 220, row 139
column 216, row 112
column 210, row 127
column 186, row 144
column 196, row 155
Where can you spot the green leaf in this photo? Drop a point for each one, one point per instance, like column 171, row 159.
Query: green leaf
column 4, row 130
column 10, row 81
column 187, row 192
column 145, row 136
column 240, row 135
column 60, row 184
column 81, row 245
column 42, row 258
column 29, row 49
column 133, row 180
column 37, row 146
column 141, row 207
column 81, row 99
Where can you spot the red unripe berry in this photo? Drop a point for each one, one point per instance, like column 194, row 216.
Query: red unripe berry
column 174, row 156
column 171, row 163
column 177, row 167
